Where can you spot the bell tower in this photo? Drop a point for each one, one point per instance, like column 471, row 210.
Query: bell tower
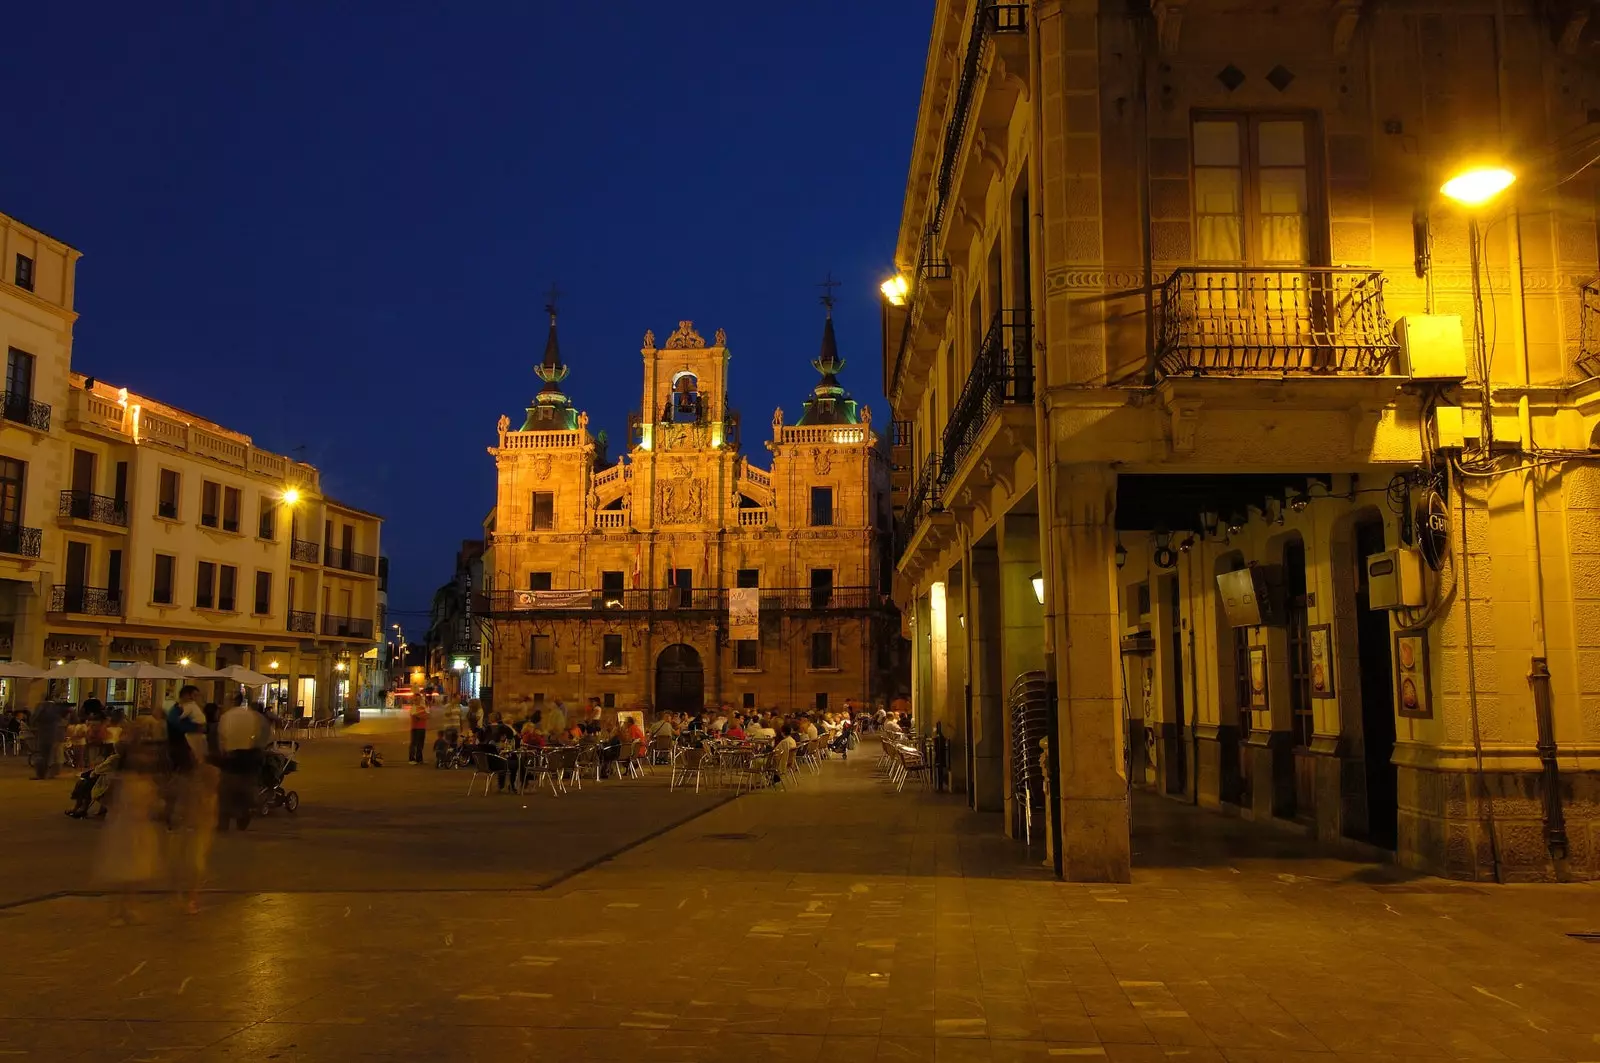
column 685, row 392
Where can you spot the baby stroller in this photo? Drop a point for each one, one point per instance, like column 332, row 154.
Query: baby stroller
column 277, row 764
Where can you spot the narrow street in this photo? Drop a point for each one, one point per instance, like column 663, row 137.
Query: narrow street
column 835, row 921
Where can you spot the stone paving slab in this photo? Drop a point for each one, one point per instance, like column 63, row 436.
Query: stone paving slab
column 836, row 922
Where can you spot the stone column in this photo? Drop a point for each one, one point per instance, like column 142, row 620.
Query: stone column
column 1093, row 797
column 1021, row 628
column 209, row 660
column 988, row 738
column 27, row 642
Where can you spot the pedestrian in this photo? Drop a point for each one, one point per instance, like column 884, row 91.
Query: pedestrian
column 242, row 735
column 450, row 719
column 129, row 856
column 49, row 725
column 419, row 729
column 196, row 793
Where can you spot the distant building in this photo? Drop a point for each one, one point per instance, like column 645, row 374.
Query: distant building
column 685, row 575
column 454, row 640
column 131, row 530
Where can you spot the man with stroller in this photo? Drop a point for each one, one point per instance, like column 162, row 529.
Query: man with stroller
column 242, row 736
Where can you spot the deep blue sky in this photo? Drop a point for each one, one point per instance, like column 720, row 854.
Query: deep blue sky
column 333, row 229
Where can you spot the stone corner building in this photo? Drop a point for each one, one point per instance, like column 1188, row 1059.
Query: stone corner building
column 1185, row 325
column 616, row 580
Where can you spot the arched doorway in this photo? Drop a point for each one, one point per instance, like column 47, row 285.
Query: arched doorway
column 680, row 679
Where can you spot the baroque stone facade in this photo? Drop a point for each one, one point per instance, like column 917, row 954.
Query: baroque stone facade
column 685, row 574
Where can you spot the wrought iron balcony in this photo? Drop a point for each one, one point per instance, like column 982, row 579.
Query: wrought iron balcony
column 1298, row 320
column 1589, row 328
column 86, row 601
column 1002, row 374
column 923, row 501
column 350, row 561
column 821, row 599
column 102, row 509
column 19, row 541
column 26, row 410
column 347, row 627
column 303, row 621
column 989, row 19
column 304, row 551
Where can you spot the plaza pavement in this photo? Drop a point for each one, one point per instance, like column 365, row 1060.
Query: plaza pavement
column 836, row 922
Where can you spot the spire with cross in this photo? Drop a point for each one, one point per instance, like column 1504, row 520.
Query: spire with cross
column 827, row 286
column 552, row 297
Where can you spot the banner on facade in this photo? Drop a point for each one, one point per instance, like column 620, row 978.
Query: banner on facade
column 744, row 613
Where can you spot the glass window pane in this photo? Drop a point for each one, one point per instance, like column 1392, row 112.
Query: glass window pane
column 1283, row 191
column 1219, row 239
column 1281, row 143
column 1284, row 240
column 1216, row 143
column 1216, row 191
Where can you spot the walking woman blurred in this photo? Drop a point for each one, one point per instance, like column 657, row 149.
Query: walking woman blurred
column 196, row 805
column 130, row 846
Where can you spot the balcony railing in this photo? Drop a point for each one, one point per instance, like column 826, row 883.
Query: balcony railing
column 923, row 500
column 25, row 409
column 303, row 621
column 1589, row 328
column 613, row 519
column 1301, row 320
column 902, row 434
column 102, row 509
column 752, row 518
column 821, row 599
column 86, row 601
column 304, row 551
column 989, row 19
column 667, row 600
column 1002, row 374
column 19, row 541
column 347, row 627
column 350, row 561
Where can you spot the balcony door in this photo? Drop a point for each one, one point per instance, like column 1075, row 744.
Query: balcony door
column 1258, row 210
column 11, row 473
column 19, row 377
column 77, row 575
column 83, row 462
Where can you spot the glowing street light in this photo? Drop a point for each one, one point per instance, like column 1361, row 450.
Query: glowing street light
column 895, row 289
column 291, row 495
column 1477, row 185
column 183, row 661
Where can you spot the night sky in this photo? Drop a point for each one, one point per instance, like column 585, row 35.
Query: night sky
column 334, row 230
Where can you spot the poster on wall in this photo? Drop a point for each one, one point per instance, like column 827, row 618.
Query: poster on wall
column 1258, row 677
column 1320, row 639
column 744, row 613
column 1412, row 698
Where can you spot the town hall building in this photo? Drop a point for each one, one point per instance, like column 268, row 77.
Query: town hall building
column 685, row 574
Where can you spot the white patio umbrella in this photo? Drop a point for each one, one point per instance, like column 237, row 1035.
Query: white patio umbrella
column 18, row 670
column 144, row 670
column 82, row 669
column 240, row 674
column 196, row 671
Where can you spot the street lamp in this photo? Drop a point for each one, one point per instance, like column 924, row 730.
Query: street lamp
column 291, row 495
column 895, row 289
column 1038, row 586
column 1477, row 185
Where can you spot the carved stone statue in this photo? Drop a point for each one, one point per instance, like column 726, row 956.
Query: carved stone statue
column 686, row 338
column 777, row 420
column 721, row 339
column 504, row 424
column 583, row 420
column 650, row 339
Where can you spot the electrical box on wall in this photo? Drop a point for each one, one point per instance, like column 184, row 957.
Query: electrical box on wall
column 1451, row 426
column 1394, row 579
column 1433, row 346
